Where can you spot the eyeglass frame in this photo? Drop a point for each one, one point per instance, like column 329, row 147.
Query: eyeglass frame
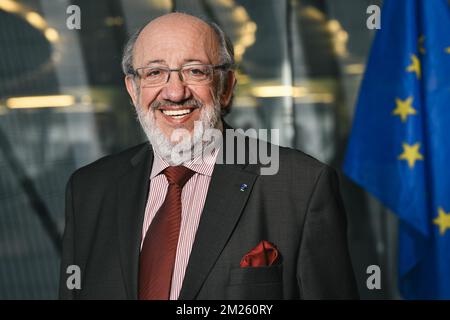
column 223, row 66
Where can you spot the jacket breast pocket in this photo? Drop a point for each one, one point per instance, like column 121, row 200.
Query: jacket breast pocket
column 256, row 283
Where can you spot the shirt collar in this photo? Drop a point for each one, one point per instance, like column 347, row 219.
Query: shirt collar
column 202, row 164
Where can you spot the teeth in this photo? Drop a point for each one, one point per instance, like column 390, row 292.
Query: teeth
column 177, row 112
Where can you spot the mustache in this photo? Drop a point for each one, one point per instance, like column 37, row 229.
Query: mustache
column 164, row 103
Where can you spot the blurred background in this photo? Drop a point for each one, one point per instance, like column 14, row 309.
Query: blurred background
column 63, row 105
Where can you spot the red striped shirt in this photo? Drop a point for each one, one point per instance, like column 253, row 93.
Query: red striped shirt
column 193, row 198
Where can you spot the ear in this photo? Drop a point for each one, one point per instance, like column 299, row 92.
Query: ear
column 131, row 88
column 226, row 96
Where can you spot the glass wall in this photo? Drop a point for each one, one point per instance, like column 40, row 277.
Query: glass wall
column 63, row 104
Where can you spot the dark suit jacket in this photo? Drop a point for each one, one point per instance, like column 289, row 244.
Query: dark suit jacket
column 299, row 210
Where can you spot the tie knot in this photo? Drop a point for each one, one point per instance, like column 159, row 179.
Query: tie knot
column 178, row 175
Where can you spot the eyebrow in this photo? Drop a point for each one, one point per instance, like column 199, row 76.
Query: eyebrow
column 161, row 61
column 154, row 61
column 192, row 60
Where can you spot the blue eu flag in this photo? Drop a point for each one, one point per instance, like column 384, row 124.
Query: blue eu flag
column 399, row 147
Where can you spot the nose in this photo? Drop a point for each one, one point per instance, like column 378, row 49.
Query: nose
column 174, row 90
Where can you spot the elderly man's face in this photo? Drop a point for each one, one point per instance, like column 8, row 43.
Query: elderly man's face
column 173, row 41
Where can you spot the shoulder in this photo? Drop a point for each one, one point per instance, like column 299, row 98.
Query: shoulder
column 302, row 168
column 259, row 151
column 275, row 163
column 296, row 159
column 293, row 169
column 109, row 167
column 288, row 160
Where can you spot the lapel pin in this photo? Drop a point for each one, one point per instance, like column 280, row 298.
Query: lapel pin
column 244, row 187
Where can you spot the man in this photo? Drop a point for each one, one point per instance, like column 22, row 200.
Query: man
column 152, row 223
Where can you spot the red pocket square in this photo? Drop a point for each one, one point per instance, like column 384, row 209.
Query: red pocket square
column 263, row 255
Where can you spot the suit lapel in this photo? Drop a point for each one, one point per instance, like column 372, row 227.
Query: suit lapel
column 132, row 193
column 223, row 207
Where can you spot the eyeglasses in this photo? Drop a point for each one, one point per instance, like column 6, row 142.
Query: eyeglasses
column 192, row 74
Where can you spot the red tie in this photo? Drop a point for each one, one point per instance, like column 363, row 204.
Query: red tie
column 157, row 259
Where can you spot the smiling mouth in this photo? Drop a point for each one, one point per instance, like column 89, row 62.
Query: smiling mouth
column 177, row 114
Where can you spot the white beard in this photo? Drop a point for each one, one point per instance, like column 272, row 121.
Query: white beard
column 191, row 145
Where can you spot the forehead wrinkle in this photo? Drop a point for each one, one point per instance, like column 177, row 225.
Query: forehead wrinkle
column 202, row 38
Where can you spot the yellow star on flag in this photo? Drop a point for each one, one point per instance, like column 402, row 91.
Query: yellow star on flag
column 447, row 50
column 411, row 154
column 414, row 66
column 404, row 108
column 443, row 221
